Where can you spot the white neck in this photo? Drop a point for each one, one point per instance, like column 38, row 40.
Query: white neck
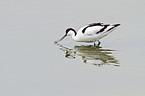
column 71, row 33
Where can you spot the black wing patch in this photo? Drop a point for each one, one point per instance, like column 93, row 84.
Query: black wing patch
column 110, row 29
column 105, row 26
column 115, row 25
column 90, row 25
column 95, row 24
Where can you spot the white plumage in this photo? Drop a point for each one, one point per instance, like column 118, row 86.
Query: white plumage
column 90, row 33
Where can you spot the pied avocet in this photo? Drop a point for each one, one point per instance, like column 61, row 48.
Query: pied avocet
column 90, row 33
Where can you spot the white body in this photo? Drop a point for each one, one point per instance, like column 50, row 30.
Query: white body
column 90, row 34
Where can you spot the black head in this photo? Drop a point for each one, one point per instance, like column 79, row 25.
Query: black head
column 70, row 29
column 66, row 34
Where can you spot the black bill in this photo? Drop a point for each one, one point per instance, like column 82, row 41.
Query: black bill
column 60, row 39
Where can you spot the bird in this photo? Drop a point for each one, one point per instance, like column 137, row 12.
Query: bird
column 90, row 33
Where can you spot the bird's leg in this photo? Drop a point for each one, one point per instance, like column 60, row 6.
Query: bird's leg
column 94, row 44
column 99, row 42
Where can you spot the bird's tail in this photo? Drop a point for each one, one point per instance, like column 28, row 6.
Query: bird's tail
column 113, row 27
column 116, row 25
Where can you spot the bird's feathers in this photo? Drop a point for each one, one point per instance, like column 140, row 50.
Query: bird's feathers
column 91, row 25
column 92, row 30
column 97, row 28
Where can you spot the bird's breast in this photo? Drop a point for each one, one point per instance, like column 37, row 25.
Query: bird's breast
column 83, row 38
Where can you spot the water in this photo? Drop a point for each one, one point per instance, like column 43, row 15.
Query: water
column 32, row 65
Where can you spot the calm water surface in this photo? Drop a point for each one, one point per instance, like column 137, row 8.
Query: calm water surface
column 32, row 65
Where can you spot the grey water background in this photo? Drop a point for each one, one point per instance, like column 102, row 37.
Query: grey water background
column 32, row 65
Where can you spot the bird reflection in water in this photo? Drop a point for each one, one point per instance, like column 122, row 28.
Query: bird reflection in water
column 91, row 55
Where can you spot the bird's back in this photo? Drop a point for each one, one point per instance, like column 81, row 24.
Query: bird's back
column 94, row 32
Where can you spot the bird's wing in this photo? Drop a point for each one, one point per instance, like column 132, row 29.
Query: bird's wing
column 93, row 30
column 97, row 28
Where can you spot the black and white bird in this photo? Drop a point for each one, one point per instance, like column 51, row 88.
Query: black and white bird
column 90, row 33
